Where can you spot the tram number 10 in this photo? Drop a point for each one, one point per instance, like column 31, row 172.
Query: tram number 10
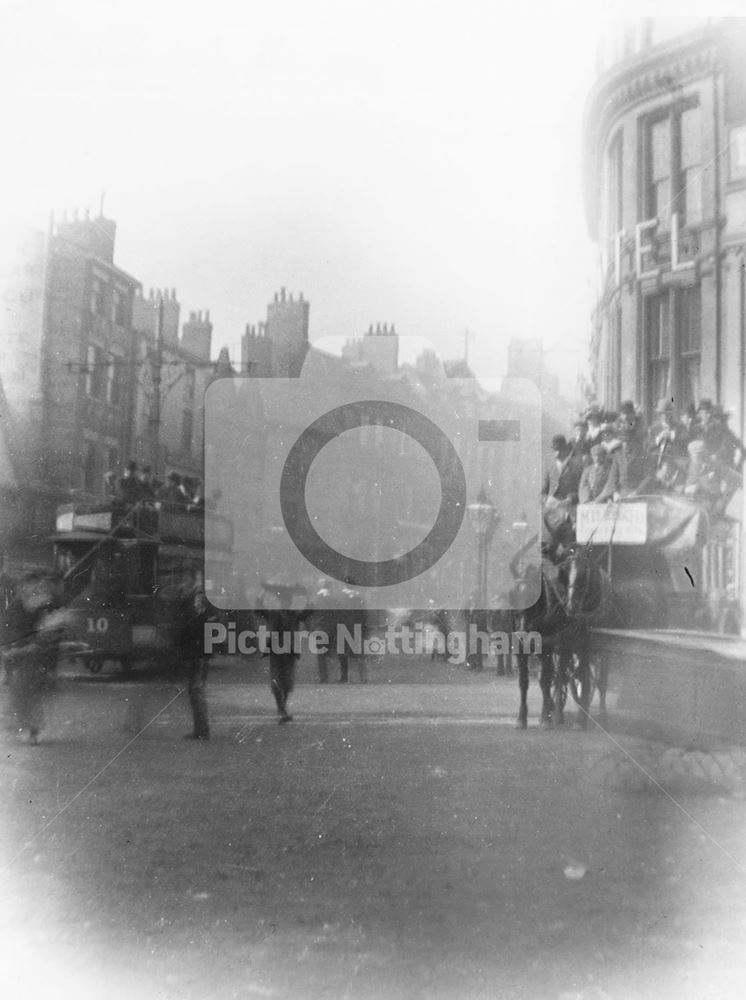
column 98, row 625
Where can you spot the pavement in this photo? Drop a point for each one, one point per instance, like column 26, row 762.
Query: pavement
column 400, row 838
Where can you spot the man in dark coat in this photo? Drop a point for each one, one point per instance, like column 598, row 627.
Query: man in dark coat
column 630, row 473
column 325, row 620
column 129, row 485
column 353, row 616
column 594, row 476
column 190, row 648
column 31, row 640
column 283, row 615
column 563, row 474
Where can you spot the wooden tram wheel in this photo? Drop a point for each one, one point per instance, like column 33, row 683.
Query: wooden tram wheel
column 573, row 684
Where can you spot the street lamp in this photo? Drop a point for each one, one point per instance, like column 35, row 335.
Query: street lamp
column 520, row 531
column 483, row 517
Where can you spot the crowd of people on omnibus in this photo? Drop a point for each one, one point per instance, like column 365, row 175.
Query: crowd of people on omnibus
column 612, row 455
column 137, row 485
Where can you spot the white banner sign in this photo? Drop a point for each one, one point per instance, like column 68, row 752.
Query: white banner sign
column 620, row 523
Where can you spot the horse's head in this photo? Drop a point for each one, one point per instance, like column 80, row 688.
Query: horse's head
column 584, row 582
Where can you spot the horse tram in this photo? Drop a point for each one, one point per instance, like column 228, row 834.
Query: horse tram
column 673, row 565
column 125, row 571
column 632, row 576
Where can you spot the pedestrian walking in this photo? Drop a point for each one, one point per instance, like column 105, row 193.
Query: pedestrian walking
column 194, row 662
column 324, row 617
column 353, row 616
column 284, row 610
column 32, row 631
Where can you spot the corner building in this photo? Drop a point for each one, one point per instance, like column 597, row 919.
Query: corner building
column 665, row 188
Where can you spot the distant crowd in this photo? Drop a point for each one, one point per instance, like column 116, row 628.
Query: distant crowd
column 612, row 455
column 140, row 485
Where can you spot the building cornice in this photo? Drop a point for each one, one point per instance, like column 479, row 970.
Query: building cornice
column 658, row 72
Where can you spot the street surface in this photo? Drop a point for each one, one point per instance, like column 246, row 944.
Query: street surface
column 399, row 839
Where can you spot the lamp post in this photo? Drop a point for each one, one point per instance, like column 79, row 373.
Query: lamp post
column 520, row 531
column 483, row 517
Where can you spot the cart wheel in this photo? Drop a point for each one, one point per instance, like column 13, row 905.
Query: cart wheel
column 575, row 684
column 95, row 665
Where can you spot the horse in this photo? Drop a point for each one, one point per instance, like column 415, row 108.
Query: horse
column 575, row 594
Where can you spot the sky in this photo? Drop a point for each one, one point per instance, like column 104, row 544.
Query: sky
column 415, row 163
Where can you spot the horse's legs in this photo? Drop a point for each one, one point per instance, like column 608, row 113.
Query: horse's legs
column 545, row 683
column 558, row 680
column 522, row 659
column 583, row 676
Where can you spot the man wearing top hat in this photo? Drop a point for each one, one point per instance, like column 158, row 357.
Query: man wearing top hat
column 667, row 438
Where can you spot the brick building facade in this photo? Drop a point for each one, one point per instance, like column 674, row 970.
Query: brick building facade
column 77, row 346
column 665, row 136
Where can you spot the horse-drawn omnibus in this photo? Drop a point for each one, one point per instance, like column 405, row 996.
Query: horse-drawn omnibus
column 672, row 563
column 124, row 570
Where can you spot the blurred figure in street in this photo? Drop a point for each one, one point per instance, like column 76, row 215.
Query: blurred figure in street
column 33, row 630
column 325, row 620
column 194, row 661
column 353, row 616
column 284, row 608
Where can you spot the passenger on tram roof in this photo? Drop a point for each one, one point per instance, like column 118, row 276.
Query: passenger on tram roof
column 563, row 474
column 145, row 481
column 630, row 472
column 667, row 437
column 129, row 486
column 172, row 492
column 593, row 479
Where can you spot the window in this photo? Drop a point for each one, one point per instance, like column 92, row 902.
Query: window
column 98, row 306
column 658, row 347
column 673, row 335
column 689, row 337
column 672, row 167
column 737, row 146
column 114, row 374
column 119, row 307
column 659, row 172
column 96, row 373
column 616, row 193
column 689, row 201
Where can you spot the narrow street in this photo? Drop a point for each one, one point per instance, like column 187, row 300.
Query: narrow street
column 399, row 839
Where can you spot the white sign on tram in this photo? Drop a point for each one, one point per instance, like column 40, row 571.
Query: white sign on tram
column 620, row 523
